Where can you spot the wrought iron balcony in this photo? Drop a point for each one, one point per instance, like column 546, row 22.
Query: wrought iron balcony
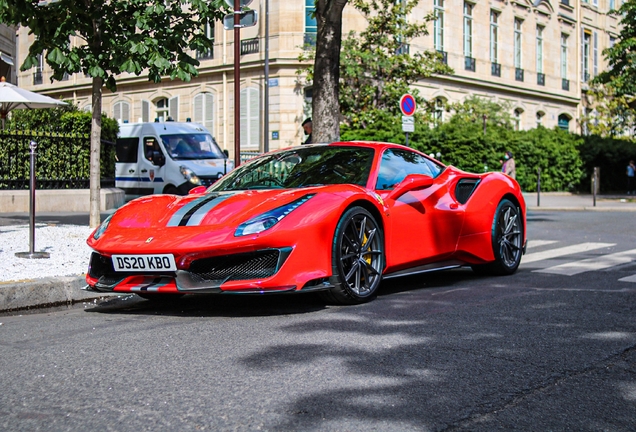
column 249, row 46
column 541, row 79
column 444, row 56
column 469, row 64
column 205, row 55
column 519, row 74
column 495, row 69
column 565, row 84
column 403, row 49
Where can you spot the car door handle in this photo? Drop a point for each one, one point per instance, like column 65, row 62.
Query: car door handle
column 144, row 170
column 131, row 171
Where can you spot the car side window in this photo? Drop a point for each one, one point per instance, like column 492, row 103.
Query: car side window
column 397, row 164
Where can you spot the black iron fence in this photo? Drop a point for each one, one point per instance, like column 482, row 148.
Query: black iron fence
column 62, row 161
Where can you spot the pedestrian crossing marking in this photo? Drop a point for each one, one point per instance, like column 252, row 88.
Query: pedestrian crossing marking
column 591, row 264
column 537, row 243
column 567, row 250
column 631, row 278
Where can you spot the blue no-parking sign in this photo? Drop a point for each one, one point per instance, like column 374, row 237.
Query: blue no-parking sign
column 407, row 104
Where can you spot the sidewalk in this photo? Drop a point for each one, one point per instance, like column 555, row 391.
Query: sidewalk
column 32, row 292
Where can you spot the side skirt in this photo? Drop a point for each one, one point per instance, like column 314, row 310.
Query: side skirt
column 443, row 265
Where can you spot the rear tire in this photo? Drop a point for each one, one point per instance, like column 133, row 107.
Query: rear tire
column 507, row 241
column 358, row 258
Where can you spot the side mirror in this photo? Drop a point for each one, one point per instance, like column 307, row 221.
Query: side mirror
column 197, row 190
column 158, row 158
column 226, row 153
column 411, row 182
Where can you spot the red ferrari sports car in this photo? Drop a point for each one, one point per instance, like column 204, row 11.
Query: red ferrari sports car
column 336, row 218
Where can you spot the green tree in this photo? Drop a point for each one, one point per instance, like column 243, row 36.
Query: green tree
column 475, row 109
column 103, row 39
column 611, row 115
column 375, row 67
column 325, row 98
column 621, row 73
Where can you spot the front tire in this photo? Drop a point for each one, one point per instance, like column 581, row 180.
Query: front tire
column 507, row 241
column 358, row 258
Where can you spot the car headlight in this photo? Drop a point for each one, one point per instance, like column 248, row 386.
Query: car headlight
column 102, row 228
column 270, row 218
column 190, row 175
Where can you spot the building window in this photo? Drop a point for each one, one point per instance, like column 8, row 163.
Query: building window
column 585, row 56
column 165, row 109
column 564, row 56
column 595, row 55
column 517, row 43
column 564, row 122
column 517, row 118
column 250, row 118
column 37, row 74
column 438, row 25
column 204, row 110
column 468, row 29
column 121, row 112
column 494, row 37
column 311, row 26
column 539, row 49
column 438, row 116
column 208, row 30
column 612, row 5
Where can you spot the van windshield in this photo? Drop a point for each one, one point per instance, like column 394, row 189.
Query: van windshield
column 192, row 146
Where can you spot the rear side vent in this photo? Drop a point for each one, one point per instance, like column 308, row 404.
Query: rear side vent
column 465, row 188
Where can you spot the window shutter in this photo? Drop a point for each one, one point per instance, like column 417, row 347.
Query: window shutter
column 209, row 112
column 117, row 111
column 254, row 113
column 125, row 112
column 595, row 60
column 582, row 55
column 145, row 111
column 173, row 108
column 244, row 118
column 198, row 108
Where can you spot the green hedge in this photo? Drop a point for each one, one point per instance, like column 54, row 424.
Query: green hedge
column 566, row 160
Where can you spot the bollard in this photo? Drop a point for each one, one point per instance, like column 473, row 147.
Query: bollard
column 594, row 185
column 538, row 187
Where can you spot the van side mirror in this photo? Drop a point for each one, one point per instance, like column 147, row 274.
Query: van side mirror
column 226, row 153
column 158, row 158
column 411, row 182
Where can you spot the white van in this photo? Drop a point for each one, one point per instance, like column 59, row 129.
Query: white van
column 168, row 157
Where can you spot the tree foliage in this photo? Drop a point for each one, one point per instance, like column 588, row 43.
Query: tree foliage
column 611, row 115
column 376, row 66
column 621, row 73
column 103, row 39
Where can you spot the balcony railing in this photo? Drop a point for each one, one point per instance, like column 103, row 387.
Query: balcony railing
column 519, row 74
column 541, row 79
column 444, row 56
column 37, row 77
column 586, row 76
column 66, row 76
column 205, row 55
column 403, row 49
column 495, row 69
column 469, row 64
column 565, row 84
column 249, row 46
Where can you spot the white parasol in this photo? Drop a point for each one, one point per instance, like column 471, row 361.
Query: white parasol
column 13, row 97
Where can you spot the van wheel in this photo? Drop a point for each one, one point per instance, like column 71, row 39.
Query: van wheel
column 171, row 190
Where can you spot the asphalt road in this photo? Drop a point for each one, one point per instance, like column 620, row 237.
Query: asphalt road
column 539, row 350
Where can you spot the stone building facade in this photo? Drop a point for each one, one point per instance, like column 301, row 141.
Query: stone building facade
column 536, row 55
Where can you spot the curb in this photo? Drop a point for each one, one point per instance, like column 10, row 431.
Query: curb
column 45, row 292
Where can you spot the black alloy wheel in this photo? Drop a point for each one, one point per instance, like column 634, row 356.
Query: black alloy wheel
column 358, row 258
column 507, row 241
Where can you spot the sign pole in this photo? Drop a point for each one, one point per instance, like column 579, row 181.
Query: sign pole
column 237, row 83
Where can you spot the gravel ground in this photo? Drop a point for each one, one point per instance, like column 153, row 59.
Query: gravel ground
column 66, row 244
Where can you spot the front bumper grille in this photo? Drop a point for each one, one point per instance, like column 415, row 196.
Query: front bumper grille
column 253, row 265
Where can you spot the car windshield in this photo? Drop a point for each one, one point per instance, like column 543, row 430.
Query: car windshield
column 191, row 146
column 301, row 167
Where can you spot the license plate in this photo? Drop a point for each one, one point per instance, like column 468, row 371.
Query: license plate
column 144, row 263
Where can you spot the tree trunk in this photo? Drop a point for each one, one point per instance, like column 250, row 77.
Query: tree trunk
column 95, row 167
column 325, row 103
